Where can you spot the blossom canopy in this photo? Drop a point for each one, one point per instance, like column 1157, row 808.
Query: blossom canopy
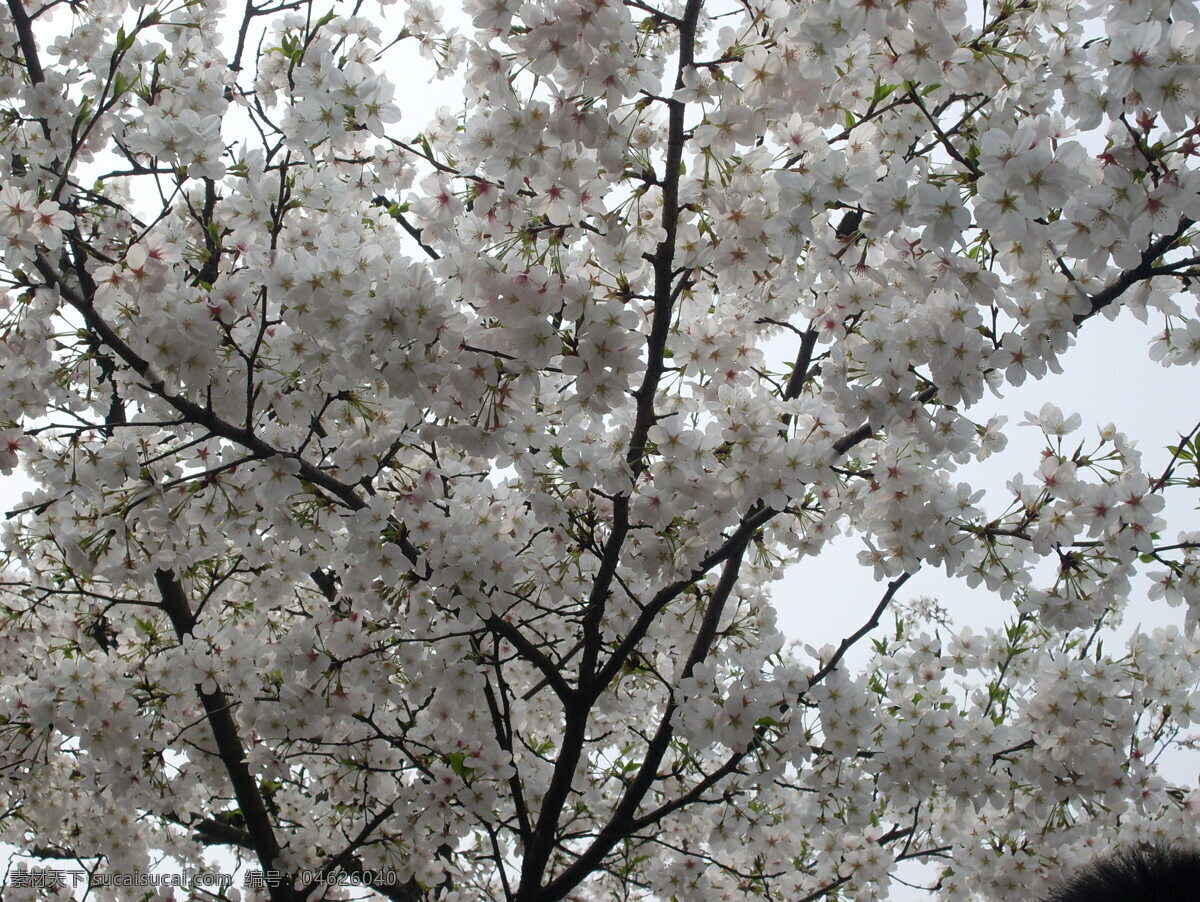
column 409, row 495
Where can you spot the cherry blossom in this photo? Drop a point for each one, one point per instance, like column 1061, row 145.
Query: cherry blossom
column 410, row 498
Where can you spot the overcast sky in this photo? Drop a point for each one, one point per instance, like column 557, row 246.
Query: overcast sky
column 1107, row 378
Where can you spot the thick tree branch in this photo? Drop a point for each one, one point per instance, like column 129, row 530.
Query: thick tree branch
column 229, row 744
column 538, row 850
column 622, row 821
column 347, row 862
column 799, row 376
column 750, row 524
column 548, row 669
column 1144, row 270
column 1099, row 301
column 731, row 764
column 24, row 27
column 202, row 416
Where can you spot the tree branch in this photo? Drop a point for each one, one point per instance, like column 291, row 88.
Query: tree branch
column 24, row 27
column 622, row 822
column 1144, row 270
column 202, row 416
column 549, row 670
column 749, row 525
column 217, row 708
column 853, row 638
column 346, row 862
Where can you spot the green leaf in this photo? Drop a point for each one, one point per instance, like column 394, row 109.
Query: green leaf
column 289, row 46
column 882, row 92
column 1183, row 452
column 85, row 110
column 457, row 762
